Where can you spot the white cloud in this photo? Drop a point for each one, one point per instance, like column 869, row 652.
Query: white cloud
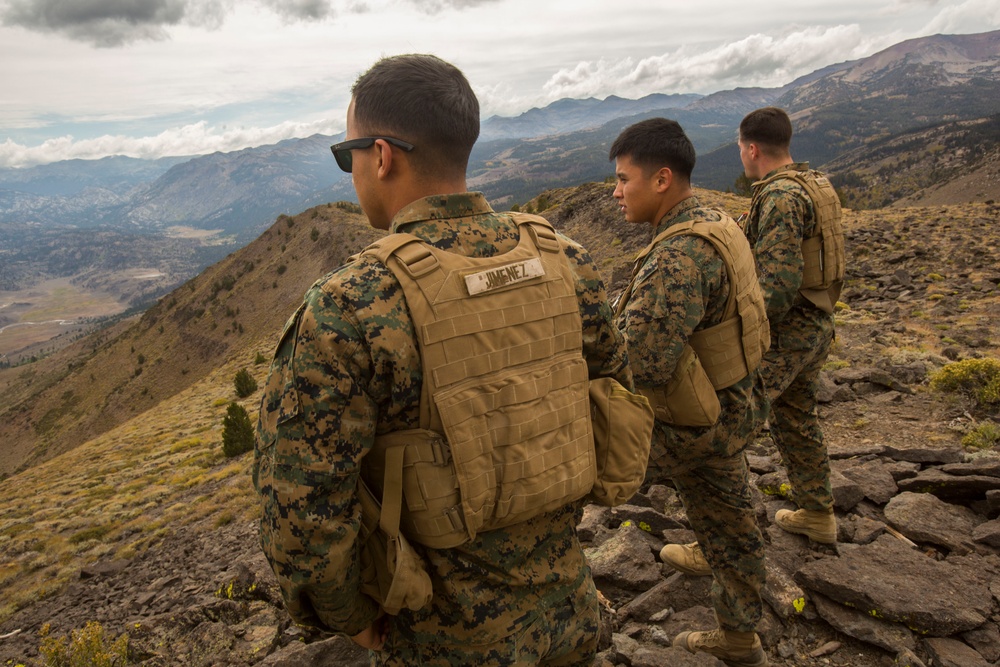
column 756, row 60
column 194, row 139
column 206, row 66
column 968, row 16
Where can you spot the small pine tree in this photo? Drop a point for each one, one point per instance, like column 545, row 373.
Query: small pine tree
column 237, row 431
column 743, row 185
column 244, row 382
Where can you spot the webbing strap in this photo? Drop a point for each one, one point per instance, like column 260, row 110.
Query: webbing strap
column 392, row 492
column 542, row 233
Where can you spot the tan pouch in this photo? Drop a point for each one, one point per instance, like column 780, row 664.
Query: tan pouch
column 690, row 398
column 392, row 572
column 623, row 427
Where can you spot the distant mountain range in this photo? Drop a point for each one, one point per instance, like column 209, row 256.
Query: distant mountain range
column 840, row 112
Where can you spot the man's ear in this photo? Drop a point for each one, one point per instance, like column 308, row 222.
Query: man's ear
column 664, row 178
column 384, row 158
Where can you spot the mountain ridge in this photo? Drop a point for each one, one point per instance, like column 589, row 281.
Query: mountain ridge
column 222, row 201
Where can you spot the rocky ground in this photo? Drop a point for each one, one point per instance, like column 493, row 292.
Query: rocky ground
column 911, row 581
column 914, row 579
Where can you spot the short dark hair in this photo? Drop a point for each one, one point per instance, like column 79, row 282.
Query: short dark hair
column 769, row 127
column 654, row 143
column 423, row 100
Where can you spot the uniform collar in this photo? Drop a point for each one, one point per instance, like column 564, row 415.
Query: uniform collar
column 677, row 213
column 794, row 166
column 441, row 207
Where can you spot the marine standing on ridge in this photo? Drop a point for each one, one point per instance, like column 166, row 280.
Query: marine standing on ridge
column 794, row 229
column 693, row 291
column 351, row 373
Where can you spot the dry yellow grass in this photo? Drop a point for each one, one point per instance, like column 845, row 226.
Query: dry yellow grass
column 123, row 492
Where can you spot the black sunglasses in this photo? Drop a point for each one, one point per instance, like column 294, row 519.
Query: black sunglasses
column 342, row 151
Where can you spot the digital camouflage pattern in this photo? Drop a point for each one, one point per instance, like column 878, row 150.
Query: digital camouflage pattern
column 682, row 287
column 781, row 216
column 346, row 368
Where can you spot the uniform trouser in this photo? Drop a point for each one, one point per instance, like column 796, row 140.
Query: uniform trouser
column 564, row 634
column 716, row 497
column 791, row 377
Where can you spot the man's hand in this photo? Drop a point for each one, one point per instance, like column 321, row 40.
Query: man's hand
column 374, row 636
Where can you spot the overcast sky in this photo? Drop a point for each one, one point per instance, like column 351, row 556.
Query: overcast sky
column 149, row 78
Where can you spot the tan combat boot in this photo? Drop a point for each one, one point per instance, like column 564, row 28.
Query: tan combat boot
column 736, row 649
column 817, row 526
column 686, row 558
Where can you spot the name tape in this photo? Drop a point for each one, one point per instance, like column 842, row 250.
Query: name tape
column 502, row 276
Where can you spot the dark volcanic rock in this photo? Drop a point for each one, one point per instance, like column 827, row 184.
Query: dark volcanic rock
column 950, row 487
column 923, row 517
column 625, row 561
column 988, row 533
column 923, row 454
column 892, row 581
column 874, row 479
column 890, row 636
column 952, row 653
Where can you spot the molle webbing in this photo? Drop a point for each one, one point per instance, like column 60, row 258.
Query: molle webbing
column 823, row 254
column 505, row 415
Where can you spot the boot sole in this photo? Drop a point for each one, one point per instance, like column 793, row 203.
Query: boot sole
column 815, row 536
column 680, row 641
column 690, row 571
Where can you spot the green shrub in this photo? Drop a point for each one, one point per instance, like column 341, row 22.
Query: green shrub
column 244, row 383
column 93, row 533
column 260, row 359
column 976, row 379
column 237, row 431
column 89, row 647
column 984, row 436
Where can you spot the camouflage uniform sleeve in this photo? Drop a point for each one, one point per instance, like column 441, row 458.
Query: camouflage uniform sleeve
column 778, row 249
column 604, row 345
column 669, row 301
column 316, row 423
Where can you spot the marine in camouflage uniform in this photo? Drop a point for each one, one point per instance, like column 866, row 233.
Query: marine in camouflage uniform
column 347, row 368
column 781, row 216
column 682, row 286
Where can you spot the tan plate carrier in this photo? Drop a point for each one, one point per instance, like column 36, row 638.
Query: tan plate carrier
column 823, row 254
column 721, row 355
column 504, row 412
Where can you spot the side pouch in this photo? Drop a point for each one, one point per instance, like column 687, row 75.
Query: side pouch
column 623, row 427
column 690, row 398
column 392, row 572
